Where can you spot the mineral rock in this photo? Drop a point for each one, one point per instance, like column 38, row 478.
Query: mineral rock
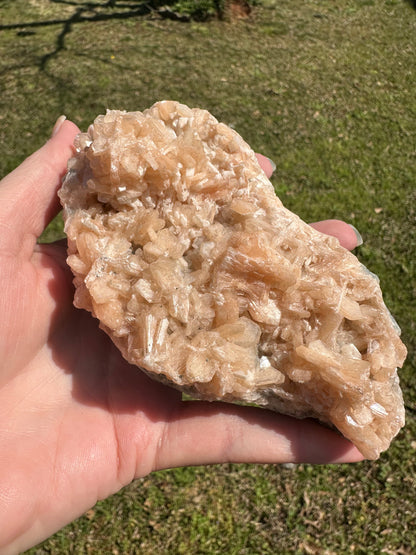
column 202, row 278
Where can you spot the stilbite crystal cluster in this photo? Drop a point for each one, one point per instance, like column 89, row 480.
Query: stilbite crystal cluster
column 201, row 277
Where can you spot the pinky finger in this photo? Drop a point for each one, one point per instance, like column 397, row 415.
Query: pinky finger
column 209, row 433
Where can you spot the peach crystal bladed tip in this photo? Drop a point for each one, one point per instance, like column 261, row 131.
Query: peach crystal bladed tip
column 180, row 247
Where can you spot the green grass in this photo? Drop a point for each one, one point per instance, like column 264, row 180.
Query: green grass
column 324, row 88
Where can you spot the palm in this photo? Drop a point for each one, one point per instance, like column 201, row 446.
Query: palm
column 87, row 422
column 77, row 422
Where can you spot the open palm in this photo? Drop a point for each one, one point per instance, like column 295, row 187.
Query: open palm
column 77, row 422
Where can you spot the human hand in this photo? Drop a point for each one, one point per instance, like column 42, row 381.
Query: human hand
column 77, row 422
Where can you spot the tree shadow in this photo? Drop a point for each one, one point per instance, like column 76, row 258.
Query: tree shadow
column 411, row 3
column 88, row 12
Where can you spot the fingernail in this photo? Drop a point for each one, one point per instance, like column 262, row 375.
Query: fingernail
column 273, row 165
column 358, row 235
column 58, row 125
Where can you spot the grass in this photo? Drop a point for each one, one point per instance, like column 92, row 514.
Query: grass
column 324, row 88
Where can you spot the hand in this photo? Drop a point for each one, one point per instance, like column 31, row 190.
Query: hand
column 77, row 422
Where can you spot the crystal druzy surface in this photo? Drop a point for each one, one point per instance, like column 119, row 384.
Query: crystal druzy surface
column 180, row 247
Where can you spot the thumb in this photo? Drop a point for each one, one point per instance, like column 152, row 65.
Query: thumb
column 28, row 199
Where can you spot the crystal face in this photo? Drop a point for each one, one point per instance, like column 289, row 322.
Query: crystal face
column 202, row 278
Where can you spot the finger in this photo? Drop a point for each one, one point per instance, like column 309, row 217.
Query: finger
column 267, row 165
column 28, row 199
column 208, row 433
column 348, row 236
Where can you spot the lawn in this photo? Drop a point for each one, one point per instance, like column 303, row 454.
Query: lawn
column 327, row 90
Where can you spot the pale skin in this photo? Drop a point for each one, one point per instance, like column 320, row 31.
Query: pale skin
column 77, row 422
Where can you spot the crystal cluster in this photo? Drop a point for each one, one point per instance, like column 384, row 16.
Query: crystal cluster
column 180, row 247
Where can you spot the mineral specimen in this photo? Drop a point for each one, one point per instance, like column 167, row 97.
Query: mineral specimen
column 201, row 277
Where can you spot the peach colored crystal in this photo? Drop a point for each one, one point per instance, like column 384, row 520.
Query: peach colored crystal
column 201, row 277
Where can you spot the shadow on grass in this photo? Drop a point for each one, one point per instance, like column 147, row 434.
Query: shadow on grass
column 87, row 12
column 411, row 3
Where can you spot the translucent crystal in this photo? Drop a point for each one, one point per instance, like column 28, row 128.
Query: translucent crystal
column 202, row 278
